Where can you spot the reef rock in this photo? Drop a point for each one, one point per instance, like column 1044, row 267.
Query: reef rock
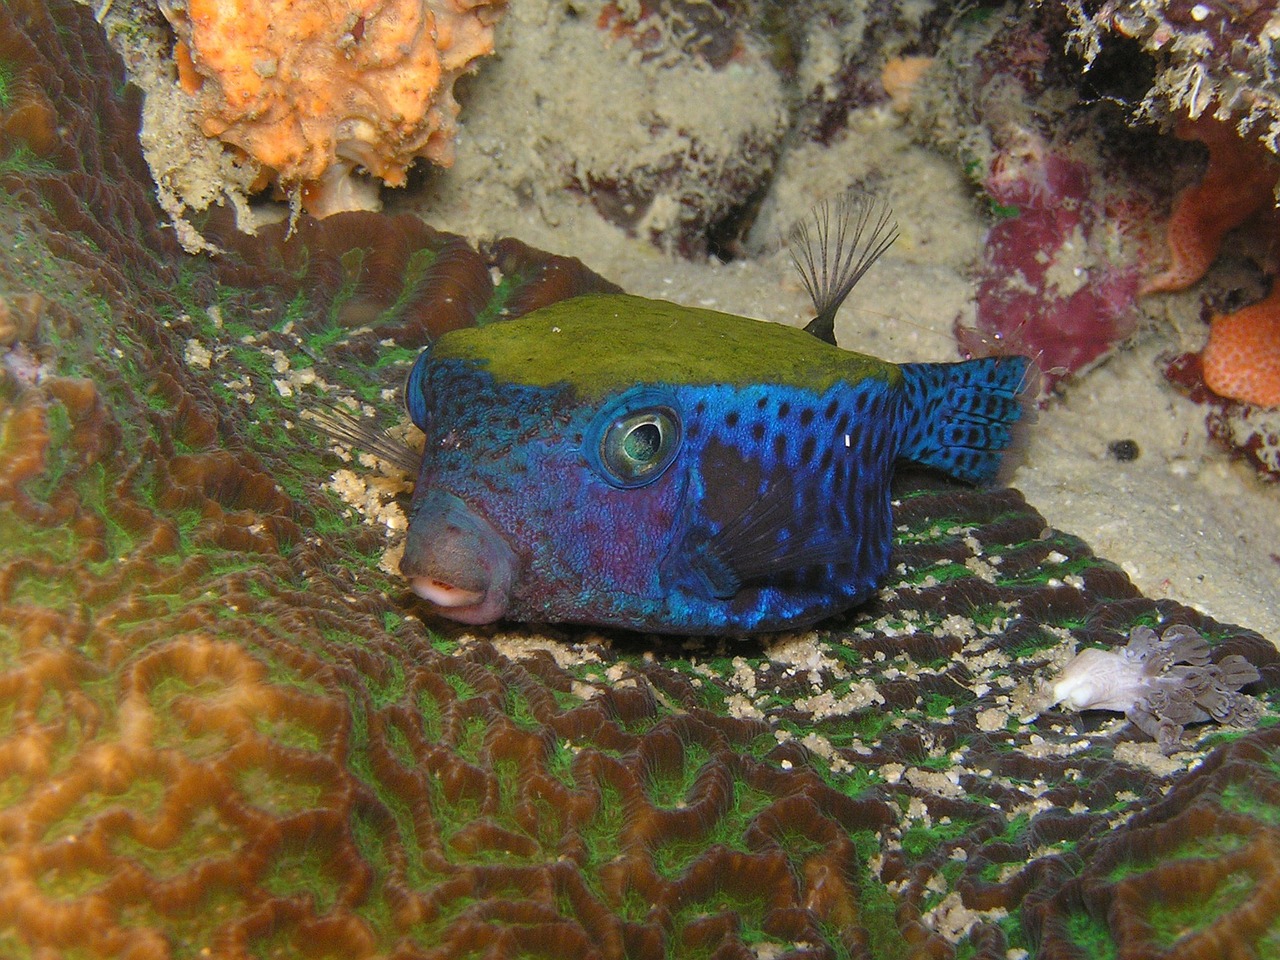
column 1210, row 58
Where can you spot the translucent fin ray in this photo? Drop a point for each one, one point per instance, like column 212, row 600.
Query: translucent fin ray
column 834, row 247
column 341, row 426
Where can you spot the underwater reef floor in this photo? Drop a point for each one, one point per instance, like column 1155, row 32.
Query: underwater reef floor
column 225, row 731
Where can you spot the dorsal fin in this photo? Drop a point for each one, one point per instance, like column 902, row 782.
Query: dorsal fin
column 834, row 247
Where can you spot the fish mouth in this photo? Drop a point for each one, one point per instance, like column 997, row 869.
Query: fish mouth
column 456, row 561
column 444, row 594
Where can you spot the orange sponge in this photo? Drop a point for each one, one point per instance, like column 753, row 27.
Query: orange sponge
column 314, row 90
column 1238, row 181
column 1242, row 357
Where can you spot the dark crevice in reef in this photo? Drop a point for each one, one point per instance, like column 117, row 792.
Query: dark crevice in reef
column 726, row 235
column 220, row 734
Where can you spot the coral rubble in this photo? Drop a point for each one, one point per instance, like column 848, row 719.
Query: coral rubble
column 680, row 171
column 321, row 92
column 1211, row 58
column 224, row 731
column 1214, row 81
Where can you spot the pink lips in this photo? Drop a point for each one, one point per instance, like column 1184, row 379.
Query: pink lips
column 457, row 561
column 445, row 594
column 464, row 606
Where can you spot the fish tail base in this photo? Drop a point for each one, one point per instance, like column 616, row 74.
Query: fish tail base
column 967, row 419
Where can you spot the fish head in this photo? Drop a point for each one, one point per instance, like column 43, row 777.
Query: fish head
column 580, row 461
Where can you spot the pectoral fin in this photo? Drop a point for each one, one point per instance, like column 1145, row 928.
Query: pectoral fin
column 767, row 539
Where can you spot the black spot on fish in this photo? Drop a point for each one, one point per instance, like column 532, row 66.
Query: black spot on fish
column 757, row 432
column 780, row 446
column 835, row 515
column 807, row 448
column 784, row 409
column 806, row 416
column 869, row 456
column 832, row 407
column 813, row 578
column 742, row 478
column 731, row 419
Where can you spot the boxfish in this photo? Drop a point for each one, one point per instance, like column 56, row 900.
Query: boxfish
column 627, row 462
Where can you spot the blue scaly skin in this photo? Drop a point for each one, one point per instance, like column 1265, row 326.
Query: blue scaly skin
column 633, row 463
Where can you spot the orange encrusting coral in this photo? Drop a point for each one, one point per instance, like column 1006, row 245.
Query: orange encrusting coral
column 1242, row 357
column 1238, row 181
column 311, row 90
column 900, row 76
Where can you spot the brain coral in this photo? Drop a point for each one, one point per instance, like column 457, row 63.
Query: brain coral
column 224, row 732
column 315, row 91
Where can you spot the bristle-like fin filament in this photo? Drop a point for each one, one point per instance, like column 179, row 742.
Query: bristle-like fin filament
column 341, row 426
column 834, row 248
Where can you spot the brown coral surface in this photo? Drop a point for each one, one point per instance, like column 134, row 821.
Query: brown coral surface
column 225, row 732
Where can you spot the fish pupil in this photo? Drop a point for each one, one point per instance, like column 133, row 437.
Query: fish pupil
column 643, row 442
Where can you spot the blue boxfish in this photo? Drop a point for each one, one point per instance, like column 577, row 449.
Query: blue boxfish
column 627, row 462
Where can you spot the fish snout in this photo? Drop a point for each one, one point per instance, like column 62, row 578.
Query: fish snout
column 456, row 561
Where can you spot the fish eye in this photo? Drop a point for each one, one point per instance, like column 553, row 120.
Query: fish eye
column 638, row 447
column 415, row 390
column 634, row 441
column 641, row 442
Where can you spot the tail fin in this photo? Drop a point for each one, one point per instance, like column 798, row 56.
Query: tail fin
column 964, row 418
